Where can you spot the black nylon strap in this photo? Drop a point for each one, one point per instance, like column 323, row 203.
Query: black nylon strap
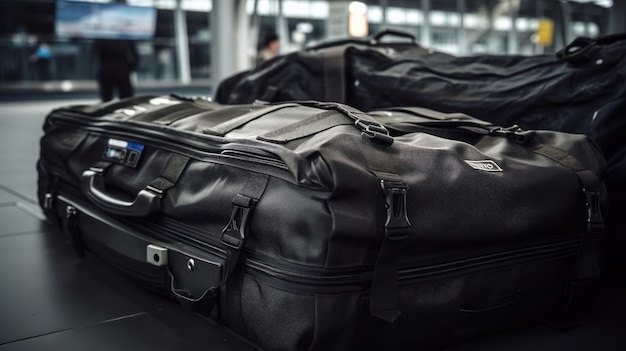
column 366, row 123
column 234, row 123
column 384, row 300
column 171, row 173
column 243, row 204
column 306, row 127
column 255, row 187
column 559, row 156
column 164, row 114
column 423, row 114
column 384, row 293
column 587, row 269
column 234, row 234
column 589, row 180
column 587, row 266
column 334, row 74
column 270, row 93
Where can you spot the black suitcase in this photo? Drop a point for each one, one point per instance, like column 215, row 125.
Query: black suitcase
column 579, row 90
column 314, row 226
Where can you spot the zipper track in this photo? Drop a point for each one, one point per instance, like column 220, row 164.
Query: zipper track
column 499, row 259
column 166, row 233
column 172, row 231
column 183, row 142
column 363, row 275
column 304, row 278
column 310, row 279
column 164, row 229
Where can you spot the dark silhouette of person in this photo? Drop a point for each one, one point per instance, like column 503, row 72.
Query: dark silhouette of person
column 117, row 59
column 269, row 49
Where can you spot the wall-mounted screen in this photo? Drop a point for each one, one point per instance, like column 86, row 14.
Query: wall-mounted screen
column 78, row 19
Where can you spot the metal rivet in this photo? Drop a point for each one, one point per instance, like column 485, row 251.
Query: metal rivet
column 191, row 264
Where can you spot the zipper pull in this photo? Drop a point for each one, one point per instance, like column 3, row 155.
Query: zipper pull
column 73, row 231
column 49, row 198
column 48, row 202
column 70, row 215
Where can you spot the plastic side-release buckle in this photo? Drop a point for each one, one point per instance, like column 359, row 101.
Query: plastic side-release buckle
column 513, row 133
column 233, row 234
column 375, row 131
column 397, row 225
column 595, row 222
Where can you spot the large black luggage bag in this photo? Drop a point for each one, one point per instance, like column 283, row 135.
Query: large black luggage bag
column 572, row 91
column 579, row 90
column 314, row 226
column 350, row 71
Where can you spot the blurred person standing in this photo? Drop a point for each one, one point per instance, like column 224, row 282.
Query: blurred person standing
column 270, row 48
column 117, row 59
column 41, row 58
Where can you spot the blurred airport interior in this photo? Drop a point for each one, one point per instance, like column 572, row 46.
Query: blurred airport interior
column 47, row 44
column 52, row 299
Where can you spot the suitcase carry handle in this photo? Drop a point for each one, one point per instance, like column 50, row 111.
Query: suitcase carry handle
column 391, row 32
column 373, row 40
column 147, row 202
column 367, row 124
column 423, row 118
column 582, row 49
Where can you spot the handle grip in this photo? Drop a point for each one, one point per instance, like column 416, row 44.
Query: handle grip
column 373, row 40
column 582, row 49
column 391, row 32
column 146, row 202
column 422, row 118
column 368, row 126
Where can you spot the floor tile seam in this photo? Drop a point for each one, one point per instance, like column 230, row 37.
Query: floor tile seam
column 28, row 208
column 35, row 212
column 24, row 233
column 111, row 320
column 17, row 194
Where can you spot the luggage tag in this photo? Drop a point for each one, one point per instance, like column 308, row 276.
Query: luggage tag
column 125, row 152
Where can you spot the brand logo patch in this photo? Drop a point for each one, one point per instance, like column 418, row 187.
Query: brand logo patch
column 484, row 165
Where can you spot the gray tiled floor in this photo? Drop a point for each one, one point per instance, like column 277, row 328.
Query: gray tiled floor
column 52, row 300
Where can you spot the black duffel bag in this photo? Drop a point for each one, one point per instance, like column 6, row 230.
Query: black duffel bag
column 314, row 226
column 321, row 73
column 582, row 89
